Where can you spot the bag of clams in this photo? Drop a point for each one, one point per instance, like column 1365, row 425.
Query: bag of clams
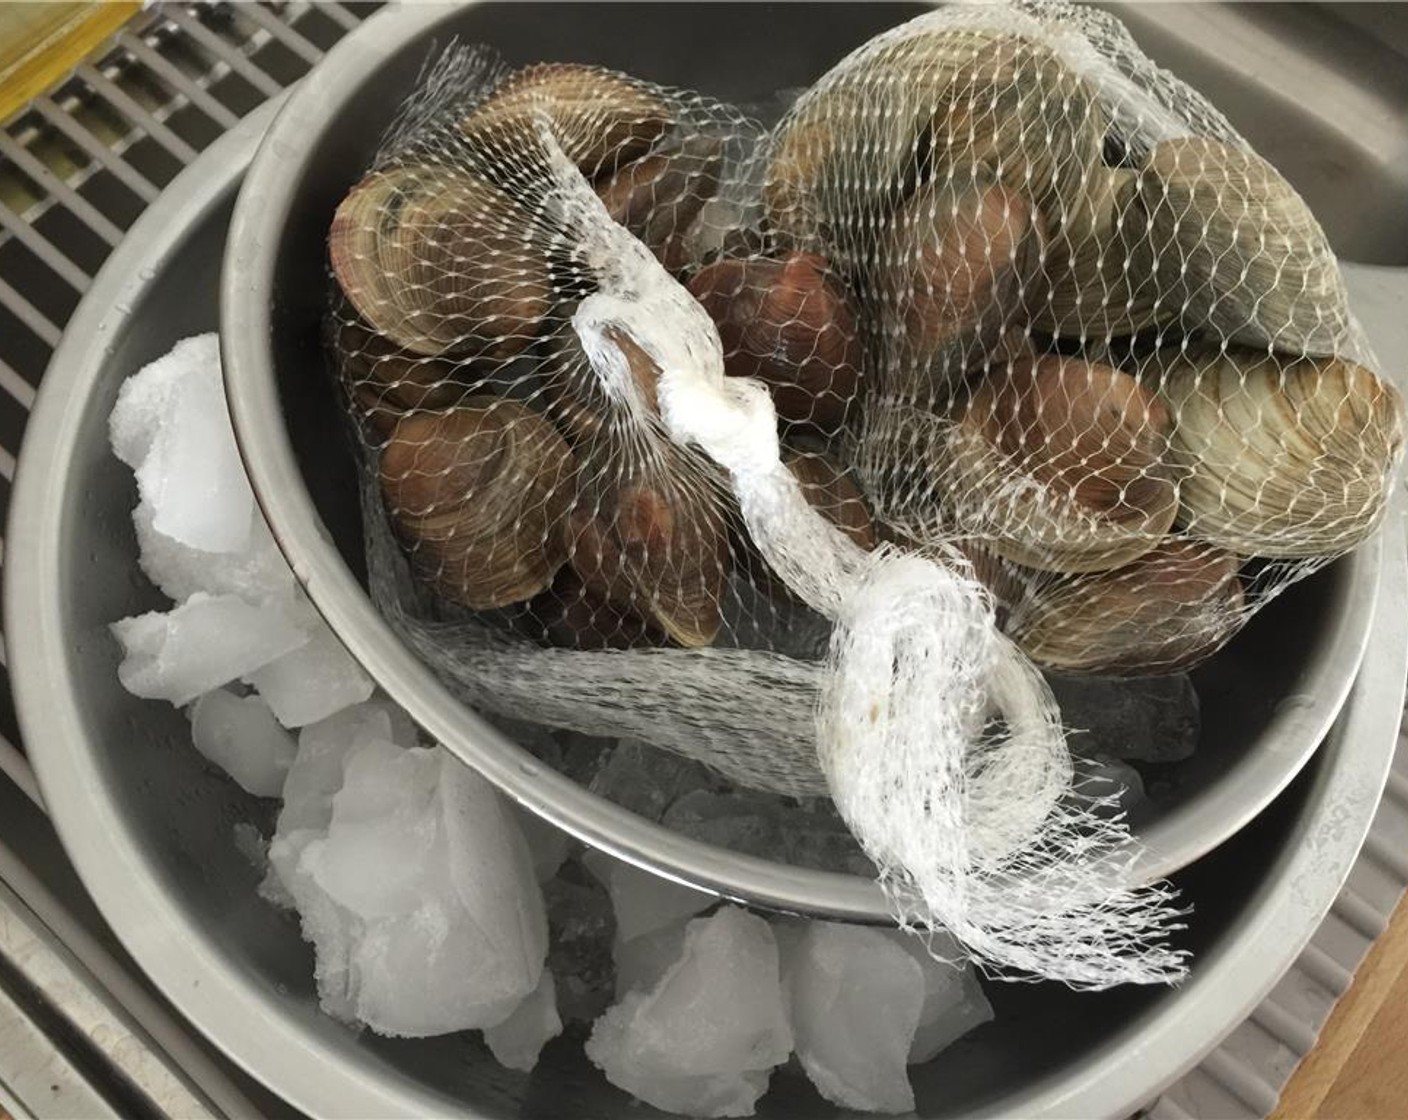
column 801, row 450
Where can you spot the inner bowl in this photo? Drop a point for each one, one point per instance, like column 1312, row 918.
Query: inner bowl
column 1267, row 699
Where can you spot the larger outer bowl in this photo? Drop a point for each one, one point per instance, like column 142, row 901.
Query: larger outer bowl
column 1267, row 700
column 149, row 824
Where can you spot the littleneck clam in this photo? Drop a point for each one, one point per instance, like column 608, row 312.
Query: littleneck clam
column 658, row 547
column 602, row 119
column 1058, row 464
column 791, row 324
column 1241, row 249
column 829, row 490
column 478, row 496
column 436, row 261
column 572, row 616
column 952, row 277
column 932, row 104
column 659, row 196
column 1168, row 610
column 1283, row 457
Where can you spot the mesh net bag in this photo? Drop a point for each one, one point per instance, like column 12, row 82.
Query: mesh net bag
column 800, row 450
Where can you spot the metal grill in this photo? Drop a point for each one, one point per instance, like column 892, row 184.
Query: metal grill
column 79, row 164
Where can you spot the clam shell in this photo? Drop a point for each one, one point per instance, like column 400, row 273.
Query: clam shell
column 791, row 324
column 601, row 118
column 658, row 547
column 931, row 105
column 954, row 275
column 1166, row 611
column 478, row 496
column 569, row 615
column 1058, row 464
column 1242, row 250
column 832, row 493
column 659, row 196
column 1283, row 458
column 437, row 262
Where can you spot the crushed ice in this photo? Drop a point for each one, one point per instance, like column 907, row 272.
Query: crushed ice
column 432, row 903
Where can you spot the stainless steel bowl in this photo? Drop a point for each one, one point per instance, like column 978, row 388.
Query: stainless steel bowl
column 149, row 824
column 1267, row 699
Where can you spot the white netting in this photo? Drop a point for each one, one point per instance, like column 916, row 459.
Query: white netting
column 798, row 450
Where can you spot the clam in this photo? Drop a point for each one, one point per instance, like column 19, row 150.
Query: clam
column 1058, row 464
column 1241, row 250
column 659, row 196
column 933, row 104
column 569, row 615
column 436, row 261
column 573, row 396
column 951, row 279
column 1283, row 458
column 830, row 491
column 601, row 119
column 478, row 496
column 791, row 324
column 1166, row 611
column 658, row 548
column 1100, row 279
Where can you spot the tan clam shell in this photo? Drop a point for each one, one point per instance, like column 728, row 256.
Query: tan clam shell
column 931, row 105
column 954, row 275
column 1058, row 464
column 1166, row 611
column 1100, row 280
column 478, row 496
column 601, row 118
column 1241, row 249
column 436, row 261
column 1283, row 458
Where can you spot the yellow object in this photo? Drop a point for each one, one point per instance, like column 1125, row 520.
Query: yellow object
column 41, row 42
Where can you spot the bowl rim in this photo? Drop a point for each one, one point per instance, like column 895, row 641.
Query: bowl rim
column 222, row 1001
column 1172, row 841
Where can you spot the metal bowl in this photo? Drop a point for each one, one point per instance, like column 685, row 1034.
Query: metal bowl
column 1267, row 699
column 148, row 823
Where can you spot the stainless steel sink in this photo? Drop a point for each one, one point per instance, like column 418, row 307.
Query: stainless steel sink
column 154, row 822
column 1321, row 90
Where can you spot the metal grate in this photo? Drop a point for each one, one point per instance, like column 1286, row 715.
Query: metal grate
column 79, row 164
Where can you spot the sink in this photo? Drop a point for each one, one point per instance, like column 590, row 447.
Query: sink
column 1320, row 90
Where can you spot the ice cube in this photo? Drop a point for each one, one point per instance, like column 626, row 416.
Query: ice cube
column 250, row 843
column 647, row 780
column 582, row 928
column 206, row 642
column 519, row 1039
column 171, row 425
column 255, row 573
column 382, row 833
column 642, row 961
column 855, row 999
column 1148, row 719
column 809, row 833
column 548, row 844
column 954, row 1003
column 241, row 736
column 702, row 1041
column 411, row 880
column 310, row 683
column 644, row 901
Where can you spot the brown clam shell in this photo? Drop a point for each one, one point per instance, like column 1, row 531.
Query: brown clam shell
column 791, row 324
column 1058, row 464
column 601, row 118
column 829, row 490
column 659, row 196
column 478, row 496
column 1167, row 611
